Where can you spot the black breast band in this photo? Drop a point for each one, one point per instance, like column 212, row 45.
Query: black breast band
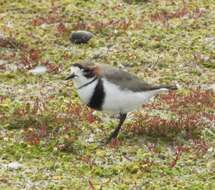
column 97, row 99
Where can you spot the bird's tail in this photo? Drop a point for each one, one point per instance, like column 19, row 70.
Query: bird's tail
column 169, row 87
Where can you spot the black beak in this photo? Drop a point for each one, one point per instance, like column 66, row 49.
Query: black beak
column 70, row 77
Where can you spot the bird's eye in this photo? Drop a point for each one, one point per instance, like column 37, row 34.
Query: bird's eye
column 88, row 73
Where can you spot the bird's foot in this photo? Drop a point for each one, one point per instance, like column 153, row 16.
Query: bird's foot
column 115, row 133
column 108, row 140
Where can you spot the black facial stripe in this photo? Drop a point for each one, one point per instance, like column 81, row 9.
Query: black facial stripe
column 98, row 96
column 88, row 73
column 78, row 65
column 86, row 84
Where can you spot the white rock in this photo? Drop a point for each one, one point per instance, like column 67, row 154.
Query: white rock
column 212, row 86
column 98, row 130
column 14, row 165
column 211, row 150
column 91, row 138
column 12, row 67
column 38, row 70
column 1, row 35
column 210, row 39
column 3, row 62
column 9, row 24
column 208, row 86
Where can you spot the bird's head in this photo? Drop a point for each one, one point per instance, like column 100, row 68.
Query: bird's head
column 82, row 73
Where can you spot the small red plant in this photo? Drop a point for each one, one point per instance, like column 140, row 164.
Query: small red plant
column 178, row 152
column 122, row 24
column 182, row 12
column 189, row 110
column 114, row 143
column 61, row 28
column 91, row 186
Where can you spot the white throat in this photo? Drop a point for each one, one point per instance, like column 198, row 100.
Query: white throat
column 85, row 90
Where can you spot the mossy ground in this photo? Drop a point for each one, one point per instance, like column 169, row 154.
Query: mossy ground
column 170, row 144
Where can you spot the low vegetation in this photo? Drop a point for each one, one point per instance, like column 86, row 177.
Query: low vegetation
column 168, row 144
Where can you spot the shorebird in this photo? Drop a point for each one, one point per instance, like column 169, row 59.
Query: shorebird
column 106, row 88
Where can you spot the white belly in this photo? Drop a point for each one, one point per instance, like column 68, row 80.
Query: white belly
column 118, row 100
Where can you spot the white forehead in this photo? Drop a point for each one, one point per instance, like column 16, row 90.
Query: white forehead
column 75, row 69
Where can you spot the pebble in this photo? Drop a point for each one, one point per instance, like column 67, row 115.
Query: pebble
column 91, row 138
column 208, row 86
column 38, row 70
column 14, row 165
column 3, row 62
column 79, row 37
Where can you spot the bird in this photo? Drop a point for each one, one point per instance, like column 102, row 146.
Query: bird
column 106, row 88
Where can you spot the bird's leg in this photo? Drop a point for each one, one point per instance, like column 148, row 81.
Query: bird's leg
column 115, row 133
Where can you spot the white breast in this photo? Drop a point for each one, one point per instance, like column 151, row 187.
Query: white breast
column 86, row 92
column 118, row 100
